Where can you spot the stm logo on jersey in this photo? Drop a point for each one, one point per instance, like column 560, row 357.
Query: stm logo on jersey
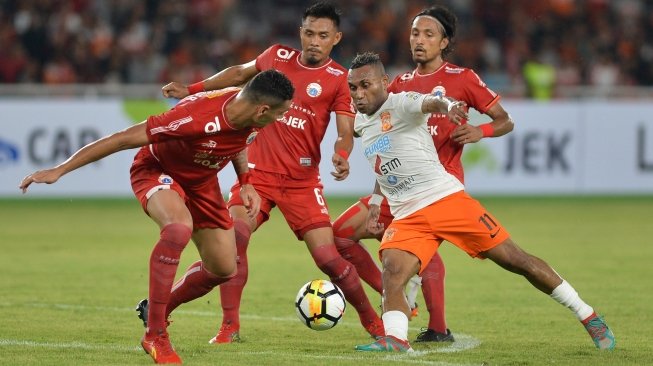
column 386, row 168
column 382, row 144
column 285, row 55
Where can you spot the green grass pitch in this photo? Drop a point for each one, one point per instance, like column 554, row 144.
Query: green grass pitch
column 73, row 270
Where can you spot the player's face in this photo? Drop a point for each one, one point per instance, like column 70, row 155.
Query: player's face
column 318, row 36
column 367, row 87
column 266, row 114
column 426, row 40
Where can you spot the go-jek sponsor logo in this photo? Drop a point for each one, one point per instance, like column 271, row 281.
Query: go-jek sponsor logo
column 8, row 153
column 382, row 144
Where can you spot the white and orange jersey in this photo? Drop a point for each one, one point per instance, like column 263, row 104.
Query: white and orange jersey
column 400, row 149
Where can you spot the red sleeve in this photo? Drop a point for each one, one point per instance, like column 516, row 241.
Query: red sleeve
column 173, row 124
column 265, row 60
column 342, row 103
column 392, row 88
column 480, row 96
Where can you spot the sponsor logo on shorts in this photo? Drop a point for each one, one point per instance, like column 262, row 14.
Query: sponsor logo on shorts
column 389, row 234
column 165, row 179
column 314, row 90
column 495, row 234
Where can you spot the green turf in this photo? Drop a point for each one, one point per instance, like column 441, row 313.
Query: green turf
column 72, row 271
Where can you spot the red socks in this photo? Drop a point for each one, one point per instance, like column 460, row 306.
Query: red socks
column 433, row 289
column 232, row 291
column 164, row 261
column 196, row 283
column 356, row 254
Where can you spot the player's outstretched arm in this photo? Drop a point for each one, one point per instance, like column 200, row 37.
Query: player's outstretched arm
column 134, row 136
column 373, row 225
column 343, row 146
column 231, row 76
column 500, row 125
column 437, row 104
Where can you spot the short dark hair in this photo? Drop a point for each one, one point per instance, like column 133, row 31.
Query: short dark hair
column 448, row 20
column 270, row 86
column 367, row 58
column 323, row 9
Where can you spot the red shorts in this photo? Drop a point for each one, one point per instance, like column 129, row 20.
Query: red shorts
column 457, row 218
column 301, row 201
column 203, row 198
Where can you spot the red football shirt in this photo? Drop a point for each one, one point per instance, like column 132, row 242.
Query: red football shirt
column 291, row 146
column 194, row 140
column 452, row 81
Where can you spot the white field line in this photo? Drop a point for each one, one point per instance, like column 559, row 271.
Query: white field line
column 463, row 341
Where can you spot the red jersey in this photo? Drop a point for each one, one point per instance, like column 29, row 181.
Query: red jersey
column 291, row 146
column 194, row 140
column 452, row 81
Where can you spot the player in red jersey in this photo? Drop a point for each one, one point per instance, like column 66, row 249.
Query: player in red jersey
column 286, row 156
column 432, row 32
column 174, row 178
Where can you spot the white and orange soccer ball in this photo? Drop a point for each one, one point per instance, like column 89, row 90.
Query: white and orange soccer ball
column 320, row 304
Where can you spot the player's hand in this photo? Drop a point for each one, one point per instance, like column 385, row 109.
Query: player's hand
column 251, row 200
column 175, row 90
column 374, row 227
column 47, row 176
column 457, row 113
column 467, row 134
column 341, row 167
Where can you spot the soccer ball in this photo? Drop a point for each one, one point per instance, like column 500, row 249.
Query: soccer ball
column 320, row 304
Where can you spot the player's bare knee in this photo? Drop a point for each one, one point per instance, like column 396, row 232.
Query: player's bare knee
column 222, row 270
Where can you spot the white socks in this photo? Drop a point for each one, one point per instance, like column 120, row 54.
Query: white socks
column 395, row 323
column 567, row 296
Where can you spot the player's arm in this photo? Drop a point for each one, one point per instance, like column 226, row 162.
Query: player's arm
column 134, row 136
column 437, row 104
column 373, row 225
column 500, row 125
column 251, row 199
column 231, row 76
column 343, row 145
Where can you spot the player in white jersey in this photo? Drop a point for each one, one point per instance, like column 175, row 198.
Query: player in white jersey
column 430, row 205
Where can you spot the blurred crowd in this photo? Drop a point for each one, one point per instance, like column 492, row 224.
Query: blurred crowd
column 530, row 45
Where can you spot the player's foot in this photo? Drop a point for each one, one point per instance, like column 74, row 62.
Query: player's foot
column 414, row 311
column 228, row 333
column 386, row 344
column 429, row 335
column 601, row 335
column 141, row 309
column 375, row 328
column 159, row 348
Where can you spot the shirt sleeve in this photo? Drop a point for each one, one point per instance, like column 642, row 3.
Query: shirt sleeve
column 479, row 96
column 177, row 123
column 265, row 60
column 410, row 105
column 342, row 104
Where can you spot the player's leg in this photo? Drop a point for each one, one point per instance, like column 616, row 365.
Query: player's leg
column 232, row 291
column 512, row 258
column 433, row 290
column 320, row 243
column 167, row 209
column 349, row 228
column 398, row 267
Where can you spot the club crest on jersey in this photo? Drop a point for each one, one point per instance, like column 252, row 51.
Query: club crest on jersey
column 386, row 121
column 314, row 90
column 165, row 179
column 439, row 91
column 251, row 137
